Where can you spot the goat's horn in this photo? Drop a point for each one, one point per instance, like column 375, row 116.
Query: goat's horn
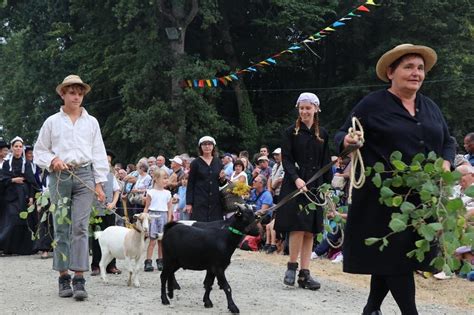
column 241, row 206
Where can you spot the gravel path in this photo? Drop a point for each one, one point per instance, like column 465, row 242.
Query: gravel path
column 28, row 285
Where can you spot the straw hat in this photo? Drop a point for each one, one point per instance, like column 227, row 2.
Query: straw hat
column 70, row 80
column 428, row 54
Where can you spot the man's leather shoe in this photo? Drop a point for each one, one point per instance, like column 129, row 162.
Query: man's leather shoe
column 95, row 271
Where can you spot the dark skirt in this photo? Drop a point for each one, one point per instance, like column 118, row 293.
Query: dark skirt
column 16, row 233
column 294, row 215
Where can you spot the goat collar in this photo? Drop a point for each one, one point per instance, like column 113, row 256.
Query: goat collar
column 136, row 228
column 235, row 231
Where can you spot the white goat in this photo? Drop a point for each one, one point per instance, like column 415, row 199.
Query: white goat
column 124, row 243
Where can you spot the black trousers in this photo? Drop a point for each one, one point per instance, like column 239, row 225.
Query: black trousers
column 402, row 288
column 107, row 220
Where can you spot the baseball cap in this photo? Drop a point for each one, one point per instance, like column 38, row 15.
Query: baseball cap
column 277, row 151
column 177, row 160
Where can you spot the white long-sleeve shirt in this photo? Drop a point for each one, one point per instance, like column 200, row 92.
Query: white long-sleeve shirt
column 78, row 144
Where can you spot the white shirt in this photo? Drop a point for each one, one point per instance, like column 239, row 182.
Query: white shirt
column 234, row 178
column 79, row 143
column 159, row 199
column 143, row 182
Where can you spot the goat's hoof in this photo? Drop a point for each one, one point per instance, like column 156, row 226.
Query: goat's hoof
column 234, row 309
column 208, row 304
column 136, row 284
column 165, row 301
column 170, row 294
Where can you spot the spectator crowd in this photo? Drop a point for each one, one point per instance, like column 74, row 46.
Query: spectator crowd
column 191, row 183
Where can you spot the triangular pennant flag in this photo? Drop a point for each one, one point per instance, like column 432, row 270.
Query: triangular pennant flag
column 244, row 70
column 337, row 24
column 252, row 69
column 190, row 83
column 345, row 19
column 363, row 9
column 196, row 83
column 371, row 2
column 233, row 76
column 271, row 60
column 352, row 14
column 201, row 83
column 228, row 78
column 214, row 82
column 286, row 51
column 223, row 81
column 208, row 83
column 183, row 84
column 295, row 47
column 329, row 29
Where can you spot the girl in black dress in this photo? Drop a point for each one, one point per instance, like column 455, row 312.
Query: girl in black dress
column 20, row 187
column 304, row 150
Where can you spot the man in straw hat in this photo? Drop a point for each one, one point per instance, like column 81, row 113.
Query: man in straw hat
column 401, row 119
column 70, row 146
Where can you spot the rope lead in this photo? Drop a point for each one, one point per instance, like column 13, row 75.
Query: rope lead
column 356, row 159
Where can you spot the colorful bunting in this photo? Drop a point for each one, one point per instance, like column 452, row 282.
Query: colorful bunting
column 324, row 32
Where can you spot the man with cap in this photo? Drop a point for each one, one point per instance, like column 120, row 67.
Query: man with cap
column 276, row 178
column 70, row 146
column 228, row 163
column 3, row 151
column 262, row 167
column 178, row 172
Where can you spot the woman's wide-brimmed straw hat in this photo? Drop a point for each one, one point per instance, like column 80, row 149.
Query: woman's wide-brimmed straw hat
column 70, row 80
column 428, row 54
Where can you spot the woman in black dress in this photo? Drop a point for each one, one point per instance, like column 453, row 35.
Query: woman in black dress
column 304, row 151
column 203, row 200
column 20, row 187
column 396, row 119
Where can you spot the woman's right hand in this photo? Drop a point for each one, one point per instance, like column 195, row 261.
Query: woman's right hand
column 189, row 209
column 301, row 184
column 18, row 180
column 350, row 139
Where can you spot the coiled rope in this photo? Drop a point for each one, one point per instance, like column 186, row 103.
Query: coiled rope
column 357, row 133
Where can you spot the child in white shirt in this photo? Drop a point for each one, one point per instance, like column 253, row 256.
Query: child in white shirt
column 158, row 203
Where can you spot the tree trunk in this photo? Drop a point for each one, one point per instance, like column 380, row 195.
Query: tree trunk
column 247, row 119
column 180, row 18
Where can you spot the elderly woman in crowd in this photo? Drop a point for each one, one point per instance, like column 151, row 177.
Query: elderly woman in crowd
column 305, row 150
column 401, row 119
column 202, row 196
column 20, row 187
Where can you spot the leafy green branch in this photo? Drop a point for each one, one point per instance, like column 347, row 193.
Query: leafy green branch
column 423, row 192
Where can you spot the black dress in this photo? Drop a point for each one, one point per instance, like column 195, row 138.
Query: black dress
column 302, row 156
column 202, row 191
column 389, row 127
column 15, row 234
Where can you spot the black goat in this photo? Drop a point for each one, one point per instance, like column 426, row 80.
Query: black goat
column 210, row 249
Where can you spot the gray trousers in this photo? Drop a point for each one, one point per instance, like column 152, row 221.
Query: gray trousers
column 72, row 238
